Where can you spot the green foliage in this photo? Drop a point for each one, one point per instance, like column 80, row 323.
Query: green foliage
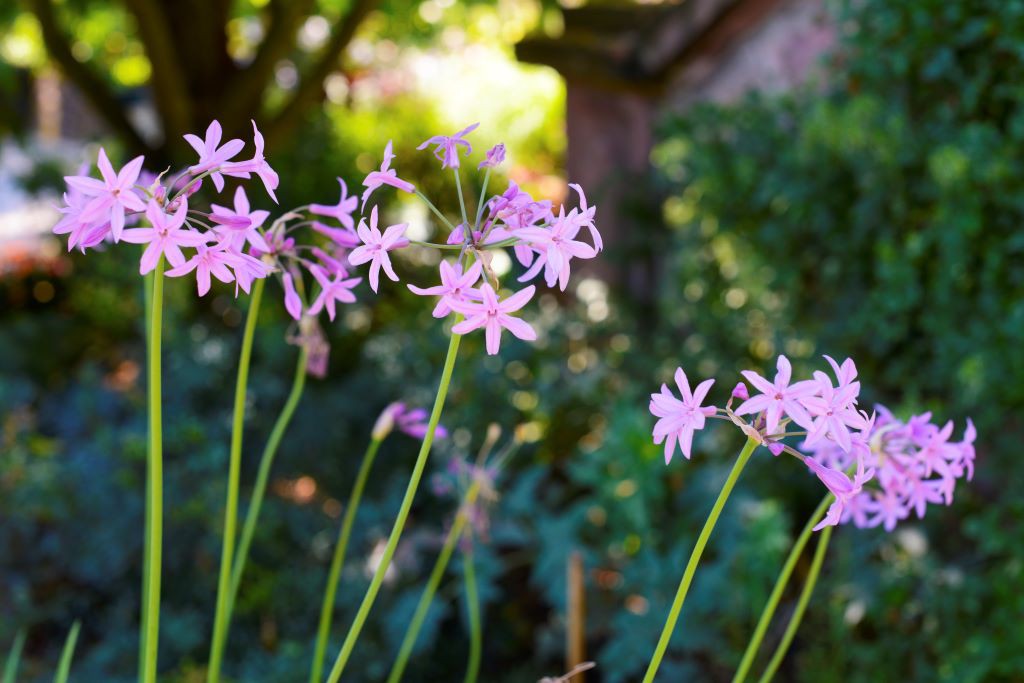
column 880, row 218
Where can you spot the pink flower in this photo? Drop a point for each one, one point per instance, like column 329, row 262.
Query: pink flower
column 447, row 146
column 678, row 420
column 385, row 176
column 292, row 301
column 493, row 315
column 585, row 217
column 495, row 155
column 778, row 397
column 165, row 237
column 342, row 211
column 332, row 291
column 207, row 261
column 557, row 248
column 840, row 486
column 376, row 246
column 112, row 195
column 833, row 412
column 258, row 165
column 249, row 231
column 455, row 286
column 211, row 154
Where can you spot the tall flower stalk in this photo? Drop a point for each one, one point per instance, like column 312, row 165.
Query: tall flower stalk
column 338, row 559
column 801, row 607
column 403, row 514
column 695, row 555
column 780, row 585
column 150, row 631
column 263, row 474
column 433, row 582
column 473, row 615
column 222, row 617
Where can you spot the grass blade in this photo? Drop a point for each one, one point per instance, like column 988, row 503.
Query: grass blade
column 11, row 667
column 65, row 658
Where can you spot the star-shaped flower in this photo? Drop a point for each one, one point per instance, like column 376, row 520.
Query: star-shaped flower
column 679, row 419
column 455, row 286
column 447, row 146
column 112, row 195
column 332, row 291
column 248, row 231
column 375, row 248
column 385, row 176
column 778, row 397
column 165, row 237
column 212, row 154
column 492, row 314
column 342, row 211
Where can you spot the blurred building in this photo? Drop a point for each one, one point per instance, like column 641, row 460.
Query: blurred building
column 627, row 64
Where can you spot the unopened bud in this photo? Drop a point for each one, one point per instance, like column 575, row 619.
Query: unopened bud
column 740, row 391
column 386, row 422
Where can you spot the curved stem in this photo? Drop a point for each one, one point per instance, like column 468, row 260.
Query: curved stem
column 483, row 193
column 403, row 513
column 436, row 574
column 327, row 609
column 462, row 205
column 222, row 618
column 801, row 606
column 262, row 476
column 436, row 211
column 473, row 608
column 695, row 555
column 154, row 484
column 780, row 586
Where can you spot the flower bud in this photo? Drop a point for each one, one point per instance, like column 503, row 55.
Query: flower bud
column 386, row 422
column 740, row 391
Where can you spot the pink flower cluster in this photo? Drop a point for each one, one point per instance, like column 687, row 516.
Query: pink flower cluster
column 236, row 244
column 911, row 463
column 468, row 286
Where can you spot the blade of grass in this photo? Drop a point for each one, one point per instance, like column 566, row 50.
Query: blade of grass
column 11, row 667
column 64, row 669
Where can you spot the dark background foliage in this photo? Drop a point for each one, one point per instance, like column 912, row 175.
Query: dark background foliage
column 875, row 215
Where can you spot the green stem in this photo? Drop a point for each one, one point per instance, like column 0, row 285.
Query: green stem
column 338, row 561
column 222, row 618
column 13, row 658
column 473, row 608
column 263, row 475
column 462, row 205
column 780, row 586
column 801, row 605
column 436, row 211
column 483, row 193
column 436, row 574
column 153, row 543
column 147, row 309
column 403, row 513
column 698, row 550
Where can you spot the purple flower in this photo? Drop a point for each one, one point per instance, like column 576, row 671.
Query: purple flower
column 495, row 155
column 414, row 422
column 111, row 196
column 493, row 314
column 840, row 486
column 679, row 419
column 447, row 146
column 207, row 261
column 338, row 289
column 342, row 211
column 385, row 176
column 375, row 248
column 778, row 397
column 211, row 154
column 165, row 237
column 258, row 165
column 247, row 230
column 833, row 411
column 585, row 217
column 557, row 248
column 292, row 301
column 455, row 286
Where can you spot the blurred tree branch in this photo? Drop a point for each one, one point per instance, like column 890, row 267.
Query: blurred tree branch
column 92, row 86
column 193, row 77
column 311, row 88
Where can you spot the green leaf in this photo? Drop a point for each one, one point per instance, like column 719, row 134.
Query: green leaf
column 11, row 667
column 65, row 658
